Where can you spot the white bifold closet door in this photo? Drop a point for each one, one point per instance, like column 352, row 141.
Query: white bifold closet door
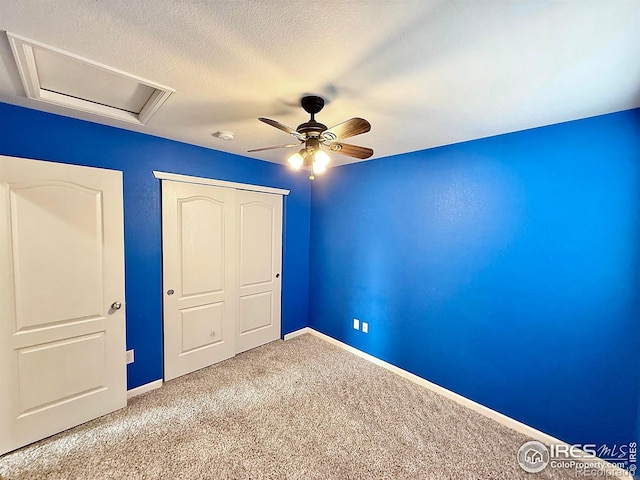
column 222, row 254
column 62, row 322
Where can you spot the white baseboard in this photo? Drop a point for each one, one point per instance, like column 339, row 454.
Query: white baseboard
column 297, row 333
column 147, row 387
column 486, row 411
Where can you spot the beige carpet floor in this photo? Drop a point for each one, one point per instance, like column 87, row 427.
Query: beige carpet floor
column 300, row 409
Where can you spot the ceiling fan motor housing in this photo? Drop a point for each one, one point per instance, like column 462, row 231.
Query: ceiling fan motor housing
column 311, row 129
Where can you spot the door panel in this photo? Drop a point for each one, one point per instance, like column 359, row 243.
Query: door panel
column 44, row 378
column 260, row 263
column 202, row 326
column 72, row 217
column 256, row 311
column 202, row 245
column 198, row 233
column 62, row 348
column 256, row 241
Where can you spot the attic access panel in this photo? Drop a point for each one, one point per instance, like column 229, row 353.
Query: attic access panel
column 58, row 77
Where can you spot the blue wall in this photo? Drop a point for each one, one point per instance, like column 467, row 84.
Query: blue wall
column 32, row 134
column 505, row 269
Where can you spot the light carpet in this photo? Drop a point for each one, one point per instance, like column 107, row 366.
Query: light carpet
column 300, row 409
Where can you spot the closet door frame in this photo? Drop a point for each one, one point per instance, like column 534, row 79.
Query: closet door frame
column 176, row 177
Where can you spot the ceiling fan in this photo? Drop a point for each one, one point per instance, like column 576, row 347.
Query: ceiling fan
column 312, row 135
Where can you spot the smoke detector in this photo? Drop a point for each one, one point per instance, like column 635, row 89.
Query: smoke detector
column 224, row 135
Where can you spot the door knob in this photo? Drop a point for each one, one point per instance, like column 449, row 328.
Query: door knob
column 277, row 275
column 116, row 305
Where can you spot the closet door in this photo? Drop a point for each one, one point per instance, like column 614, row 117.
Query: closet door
column 199, row 262
column 259, row 267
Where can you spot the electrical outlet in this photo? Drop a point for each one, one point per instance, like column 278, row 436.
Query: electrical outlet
column 130, row 358
column 356, row 324
column 365, row 327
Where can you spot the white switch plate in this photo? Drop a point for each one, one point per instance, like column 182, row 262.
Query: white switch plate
column 130, row 356
column 356, row 324
column 365, row 327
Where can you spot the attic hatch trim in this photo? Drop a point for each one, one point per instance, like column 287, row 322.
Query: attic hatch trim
column 24, row 55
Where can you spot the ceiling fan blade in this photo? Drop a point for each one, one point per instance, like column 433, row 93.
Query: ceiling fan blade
column 273, row 147
column 280, row 126
column 349, row 128
column 350, row 150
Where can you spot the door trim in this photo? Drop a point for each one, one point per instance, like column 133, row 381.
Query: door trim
column 176, row 177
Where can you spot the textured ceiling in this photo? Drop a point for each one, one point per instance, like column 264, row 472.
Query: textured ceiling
column 423, row 73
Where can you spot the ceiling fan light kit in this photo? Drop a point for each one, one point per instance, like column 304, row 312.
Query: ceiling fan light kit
column 312, row 135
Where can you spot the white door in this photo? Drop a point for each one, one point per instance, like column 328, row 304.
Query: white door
column 199, row 251
column 259, row 267
column 62, row 345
